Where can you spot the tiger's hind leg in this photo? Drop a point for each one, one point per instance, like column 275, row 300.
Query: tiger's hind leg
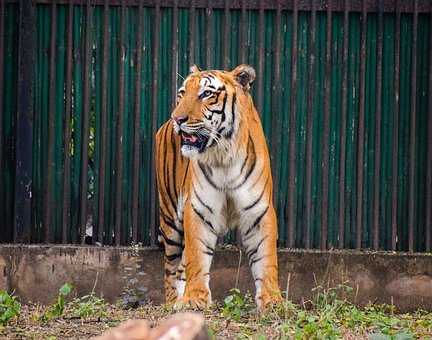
column 172, row 238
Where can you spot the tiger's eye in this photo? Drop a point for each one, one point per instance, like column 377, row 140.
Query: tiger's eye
column 207, row 93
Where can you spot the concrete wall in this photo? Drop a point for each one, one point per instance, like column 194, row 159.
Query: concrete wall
column 36, row 272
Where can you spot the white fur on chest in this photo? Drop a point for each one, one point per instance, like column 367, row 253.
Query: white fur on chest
column 216, row 186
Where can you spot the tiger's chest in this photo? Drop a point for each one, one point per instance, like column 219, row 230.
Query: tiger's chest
column 219, row 194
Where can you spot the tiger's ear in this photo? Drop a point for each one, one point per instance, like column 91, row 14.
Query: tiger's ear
column 244, row 75
column 194, row 69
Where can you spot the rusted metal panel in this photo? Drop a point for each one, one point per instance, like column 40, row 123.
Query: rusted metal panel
column 291, row 200
column 48, row 203
column 103, row 127
column 428, row 218
column 137, row 113
column 376, row 199
column 118, row 235
column 395, row 148
column 303, row 5
column 326, row 129
column 309, row 128
column 361, row 130
column 413, row 129
column 349, row 155
column 67, row 130
column 343, row 125
column 24, row 122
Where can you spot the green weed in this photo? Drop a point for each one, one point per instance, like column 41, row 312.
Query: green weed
column 9, row 307
column 236, row 305
column 88, row 305
column 56, row 309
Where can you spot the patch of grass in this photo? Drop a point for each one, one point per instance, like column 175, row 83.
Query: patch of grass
column 329, row 315
column 236, row 305
column 88, row 306
column 9, row 307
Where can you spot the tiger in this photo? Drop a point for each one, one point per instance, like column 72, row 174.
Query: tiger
column 213, row 174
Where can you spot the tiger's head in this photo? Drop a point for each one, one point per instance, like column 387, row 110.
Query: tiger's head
column 208, row 111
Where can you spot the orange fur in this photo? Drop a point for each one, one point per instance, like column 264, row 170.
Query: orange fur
column 178, row 176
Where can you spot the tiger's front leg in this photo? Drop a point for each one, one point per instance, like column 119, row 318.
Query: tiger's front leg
column 259, row 237
column 201, row 226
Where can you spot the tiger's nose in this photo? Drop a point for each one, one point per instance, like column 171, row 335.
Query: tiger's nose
column 180, row 119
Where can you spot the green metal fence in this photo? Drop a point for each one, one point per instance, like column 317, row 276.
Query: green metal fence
column 350, row 131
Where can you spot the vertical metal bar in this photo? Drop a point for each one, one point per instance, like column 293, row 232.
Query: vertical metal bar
column 103, row 126
column 326, row 129
column 174, row 56
column 24, row 121
column 309, row 129
column 153, row 197
column 428, row 220
column 395, row 130
column 226, row 35
column 119, row 151
column 243, row 33
column 291, row 199
column 343, row 125
column 361, row 127
column 2, row 20
column 376, row 207
column 260, row 75
column 412, row 163
column 136, row 155
column 67, row 129
column 48, row 203
column 85, row 127
column 275, row 119
column 209, row 34
column 192, row 20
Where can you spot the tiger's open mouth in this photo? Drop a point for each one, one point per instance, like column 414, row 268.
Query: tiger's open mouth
column 197, row 141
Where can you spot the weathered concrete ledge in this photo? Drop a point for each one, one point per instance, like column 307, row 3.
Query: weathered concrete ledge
column 36, row 272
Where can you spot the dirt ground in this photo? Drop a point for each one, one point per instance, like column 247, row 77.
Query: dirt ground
column 235, row 319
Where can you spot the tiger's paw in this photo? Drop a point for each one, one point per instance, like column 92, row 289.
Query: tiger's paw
column 189, row 303
column 267, row 301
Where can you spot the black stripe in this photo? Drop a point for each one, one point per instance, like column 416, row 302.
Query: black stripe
column 201, row 201
column 167, row 177
column 170, row 222
column 185, row 174
column 255, row 261
column 169, row 273
column 201, row 216
column 244, row 163
column 174, row 147
column 172, row 257
column 258, row 199
column 251, row 169
column 231, row 131
column 221, row 130
column 252, row 252
column 257, row 221
column 210, row 249
column 207, row 177
column 169, row 241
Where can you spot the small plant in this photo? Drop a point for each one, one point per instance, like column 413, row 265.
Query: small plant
column 88, row 305
column 236, row 305
column 9, row 307
column 56, row 310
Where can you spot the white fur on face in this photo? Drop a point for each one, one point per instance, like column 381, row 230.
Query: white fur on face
column 189, row 151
